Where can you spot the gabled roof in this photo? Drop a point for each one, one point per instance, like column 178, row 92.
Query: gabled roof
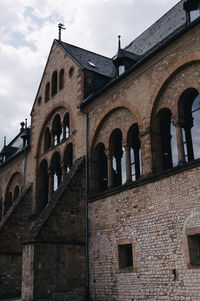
column 160, row 30
column 90, row 60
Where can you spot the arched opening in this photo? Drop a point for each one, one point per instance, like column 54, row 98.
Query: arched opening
column 56, row 129
column 68, row 158
column 164, row 147
column 66, row 123
column 7, row 202
column 47, row 92
column 54, row 84
column 16, row 192
column 61, row 79
column 100, row 170
column 135, row 151
column 47, row 139
column 118, row 158
column 43, row 184
column 56, row 172
column 189, row 119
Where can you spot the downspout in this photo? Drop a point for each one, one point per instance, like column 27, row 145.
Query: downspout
column 24, row 173
column 86, row 206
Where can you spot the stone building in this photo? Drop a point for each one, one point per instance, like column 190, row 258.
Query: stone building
column 100, row 195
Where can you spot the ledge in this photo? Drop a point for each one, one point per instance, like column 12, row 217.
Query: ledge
column 147, row 178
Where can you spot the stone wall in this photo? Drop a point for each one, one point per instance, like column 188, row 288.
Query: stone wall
column 155, row 218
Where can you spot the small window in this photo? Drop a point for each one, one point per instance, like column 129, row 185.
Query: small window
column 39, row 100
column 71, row 71
column 121, row 69
column 194, row 249
column 125, row 255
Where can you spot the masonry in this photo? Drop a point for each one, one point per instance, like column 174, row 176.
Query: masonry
column 100, row 194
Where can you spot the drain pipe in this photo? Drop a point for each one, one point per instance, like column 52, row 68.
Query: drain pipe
column 86, row 206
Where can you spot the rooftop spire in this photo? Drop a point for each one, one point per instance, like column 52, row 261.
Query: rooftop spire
column 4, row 141
column 119, row 42
column 60, row 27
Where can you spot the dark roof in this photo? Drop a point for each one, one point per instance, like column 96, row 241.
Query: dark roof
column 165, row 26
column 90, row 60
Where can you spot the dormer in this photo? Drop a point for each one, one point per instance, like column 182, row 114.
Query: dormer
column 192, row 8
column 124, row 59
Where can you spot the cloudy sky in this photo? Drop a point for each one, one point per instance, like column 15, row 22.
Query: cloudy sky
column 28, row 27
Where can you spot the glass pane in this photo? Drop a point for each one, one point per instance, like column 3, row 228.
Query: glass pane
column 194, row 14
column 55, row 184
column 196, row 127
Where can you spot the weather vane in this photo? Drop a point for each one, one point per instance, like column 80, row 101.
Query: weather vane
column 60, row 27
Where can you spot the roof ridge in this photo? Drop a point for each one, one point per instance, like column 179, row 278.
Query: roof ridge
column 154, row 23
column 83, row 49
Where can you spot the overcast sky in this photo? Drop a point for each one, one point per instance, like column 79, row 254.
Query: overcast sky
column 27, row 30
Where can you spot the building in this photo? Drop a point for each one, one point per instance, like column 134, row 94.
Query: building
column 100, row 195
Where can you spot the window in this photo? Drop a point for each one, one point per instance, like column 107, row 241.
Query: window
column 47, row 139
column 61, row 79
column 47, row 92
column 121, row 69
column 100, row 168
column 125, row 256
column 194, row 249
column 54, row 83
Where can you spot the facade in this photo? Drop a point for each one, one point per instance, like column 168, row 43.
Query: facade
column 100, row 195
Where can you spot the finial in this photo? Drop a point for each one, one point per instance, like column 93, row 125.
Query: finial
column 119, row 42
column 60, row 27
column 22, row 126
column 26, row 123
column 5, row 141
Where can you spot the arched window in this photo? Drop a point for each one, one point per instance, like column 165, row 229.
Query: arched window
column 47, row 92
column 100, row 168
column 54, row 84
column 61, row 79
column 66, row 122
column 8, row 202
column 135, row 151
column 189, row 119
column 56, row 129
column 68, row 157
column 16, row 192
column 1, row 204
column 47, row 139
column 118, row 155
column 43, row 185
column 56, row 170
column 163, row 134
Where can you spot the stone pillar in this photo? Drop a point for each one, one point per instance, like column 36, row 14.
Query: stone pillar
column 51, row 183
column 64, row 130
column 180, row 146
column 110, row 168
column 128, row 162
column 52, row 138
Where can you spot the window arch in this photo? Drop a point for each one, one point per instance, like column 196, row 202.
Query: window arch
column 100, row 168
column 54, row 83
column 56, row 129
column 118, row 158
column 68, row 157
column 133, row 142
column 164, row 147
column 66, row 123
column 47, row 139
column 47, row 92
column 16, row 192
column 43, row 185
column 189, row 119
column 55, row 168
column 61, row 79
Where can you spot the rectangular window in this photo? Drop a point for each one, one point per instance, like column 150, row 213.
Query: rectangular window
column 194, row 249
column 125, row 255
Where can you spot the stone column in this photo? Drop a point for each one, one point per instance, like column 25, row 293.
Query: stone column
column 64, row 130
column 180, row 146
column 128, row 162
column 110, row 168
column 52, row 138
column 51, row 183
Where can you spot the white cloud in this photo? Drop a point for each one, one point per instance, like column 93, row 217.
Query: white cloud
column 27, row 29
